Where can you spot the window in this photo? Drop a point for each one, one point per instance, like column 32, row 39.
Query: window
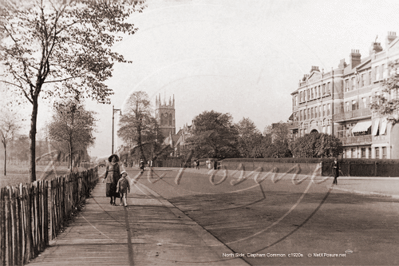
column 328, row 88
column 364, row 102
column 377, row 153
column 320, row 111
column 384, row 152
column 328, row 109
column 354, row 105
column 324, row 110
column 369, row 78
column 363, row 153
column 312, row 95
column 382, row 75
column 362, row 80
column 347, row 107
column 347, row 85
column 377, row 73
column 369, row 153
column 354, row 83
column 353, row 153
column 323, row 89
column 318, row 92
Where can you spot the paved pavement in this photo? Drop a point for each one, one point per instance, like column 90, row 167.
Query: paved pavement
column 152, row 231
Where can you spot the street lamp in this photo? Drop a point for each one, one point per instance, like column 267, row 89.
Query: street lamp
column 113, row 112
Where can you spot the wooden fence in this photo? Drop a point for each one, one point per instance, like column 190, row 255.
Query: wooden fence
column 32, row 214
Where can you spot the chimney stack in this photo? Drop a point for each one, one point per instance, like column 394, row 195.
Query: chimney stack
column 375, row 48
column 342, row 64
column 314, row 68
column 390, row 38
column 355, row 58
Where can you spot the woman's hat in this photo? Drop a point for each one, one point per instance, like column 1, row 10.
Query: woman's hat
column 113, row 155
column 123, row 172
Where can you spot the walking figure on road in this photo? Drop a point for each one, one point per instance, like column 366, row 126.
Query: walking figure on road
column 335, row 169
column 112, row 175
column 123, row 187
column 141, row 166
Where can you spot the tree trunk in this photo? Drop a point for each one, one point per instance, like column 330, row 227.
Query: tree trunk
column 32, row 136
column 141, row 146
column 5, row 160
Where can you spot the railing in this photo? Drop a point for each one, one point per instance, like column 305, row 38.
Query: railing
column 358, row 140
column 364, row 112
column 31, row 214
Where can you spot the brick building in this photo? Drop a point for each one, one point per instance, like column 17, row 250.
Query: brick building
column 338, row 102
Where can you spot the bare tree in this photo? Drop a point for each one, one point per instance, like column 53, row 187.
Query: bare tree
column 52, row 48
column 9, row 126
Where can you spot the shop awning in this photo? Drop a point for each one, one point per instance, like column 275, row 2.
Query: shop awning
column 361, row 126
column 375, row 127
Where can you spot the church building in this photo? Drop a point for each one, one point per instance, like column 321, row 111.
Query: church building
column 165, row 115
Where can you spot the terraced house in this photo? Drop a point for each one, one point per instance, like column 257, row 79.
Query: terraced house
column 338, row 102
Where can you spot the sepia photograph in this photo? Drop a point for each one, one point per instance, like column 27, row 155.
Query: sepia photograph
column 199, row 132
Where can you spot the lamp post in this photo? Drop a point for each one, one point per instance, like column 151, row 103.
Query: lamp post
column 113, row 112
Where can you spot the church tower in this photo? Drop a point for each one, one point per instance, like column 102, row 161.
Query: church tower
column 165, row 115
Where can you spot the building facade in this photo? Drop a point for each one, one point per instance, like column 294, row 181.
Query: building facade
column 338, row 102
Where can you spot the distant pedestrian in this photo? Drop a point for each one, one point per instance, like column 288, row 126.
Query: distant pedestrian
column 196, row 164
column 112, row 175
column 335, row 169
column 215, row 165
column 141, row 166
column 123, row 187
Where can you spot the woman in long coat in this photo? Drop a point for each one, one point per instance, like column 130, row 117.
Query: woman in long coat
column 112, row 175
column 335, row 169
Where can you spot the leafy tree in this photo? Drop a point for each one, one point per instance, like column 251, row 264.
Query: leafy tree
column 249, row 138
column 214, row 135
column 279, row 139
column 138, row 128
column 53, row 48
column 9, row 126
column 72, row 129
column 316, row 145
column 386, row 102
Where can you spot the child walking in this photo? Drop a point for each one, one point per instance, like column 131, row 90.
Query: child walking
column 123, row 188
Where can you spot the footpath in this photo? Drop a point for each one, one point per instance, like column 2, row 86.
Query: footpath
column 150, row 231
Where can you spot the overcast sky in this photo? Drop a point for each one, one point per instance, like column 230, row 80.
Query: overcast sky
column 238, row 57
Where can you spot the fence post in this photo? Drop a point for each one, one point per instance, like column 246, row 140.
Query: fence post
column 50, row 211
column 2, row 228
column 28, row 207
column 8, row 229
